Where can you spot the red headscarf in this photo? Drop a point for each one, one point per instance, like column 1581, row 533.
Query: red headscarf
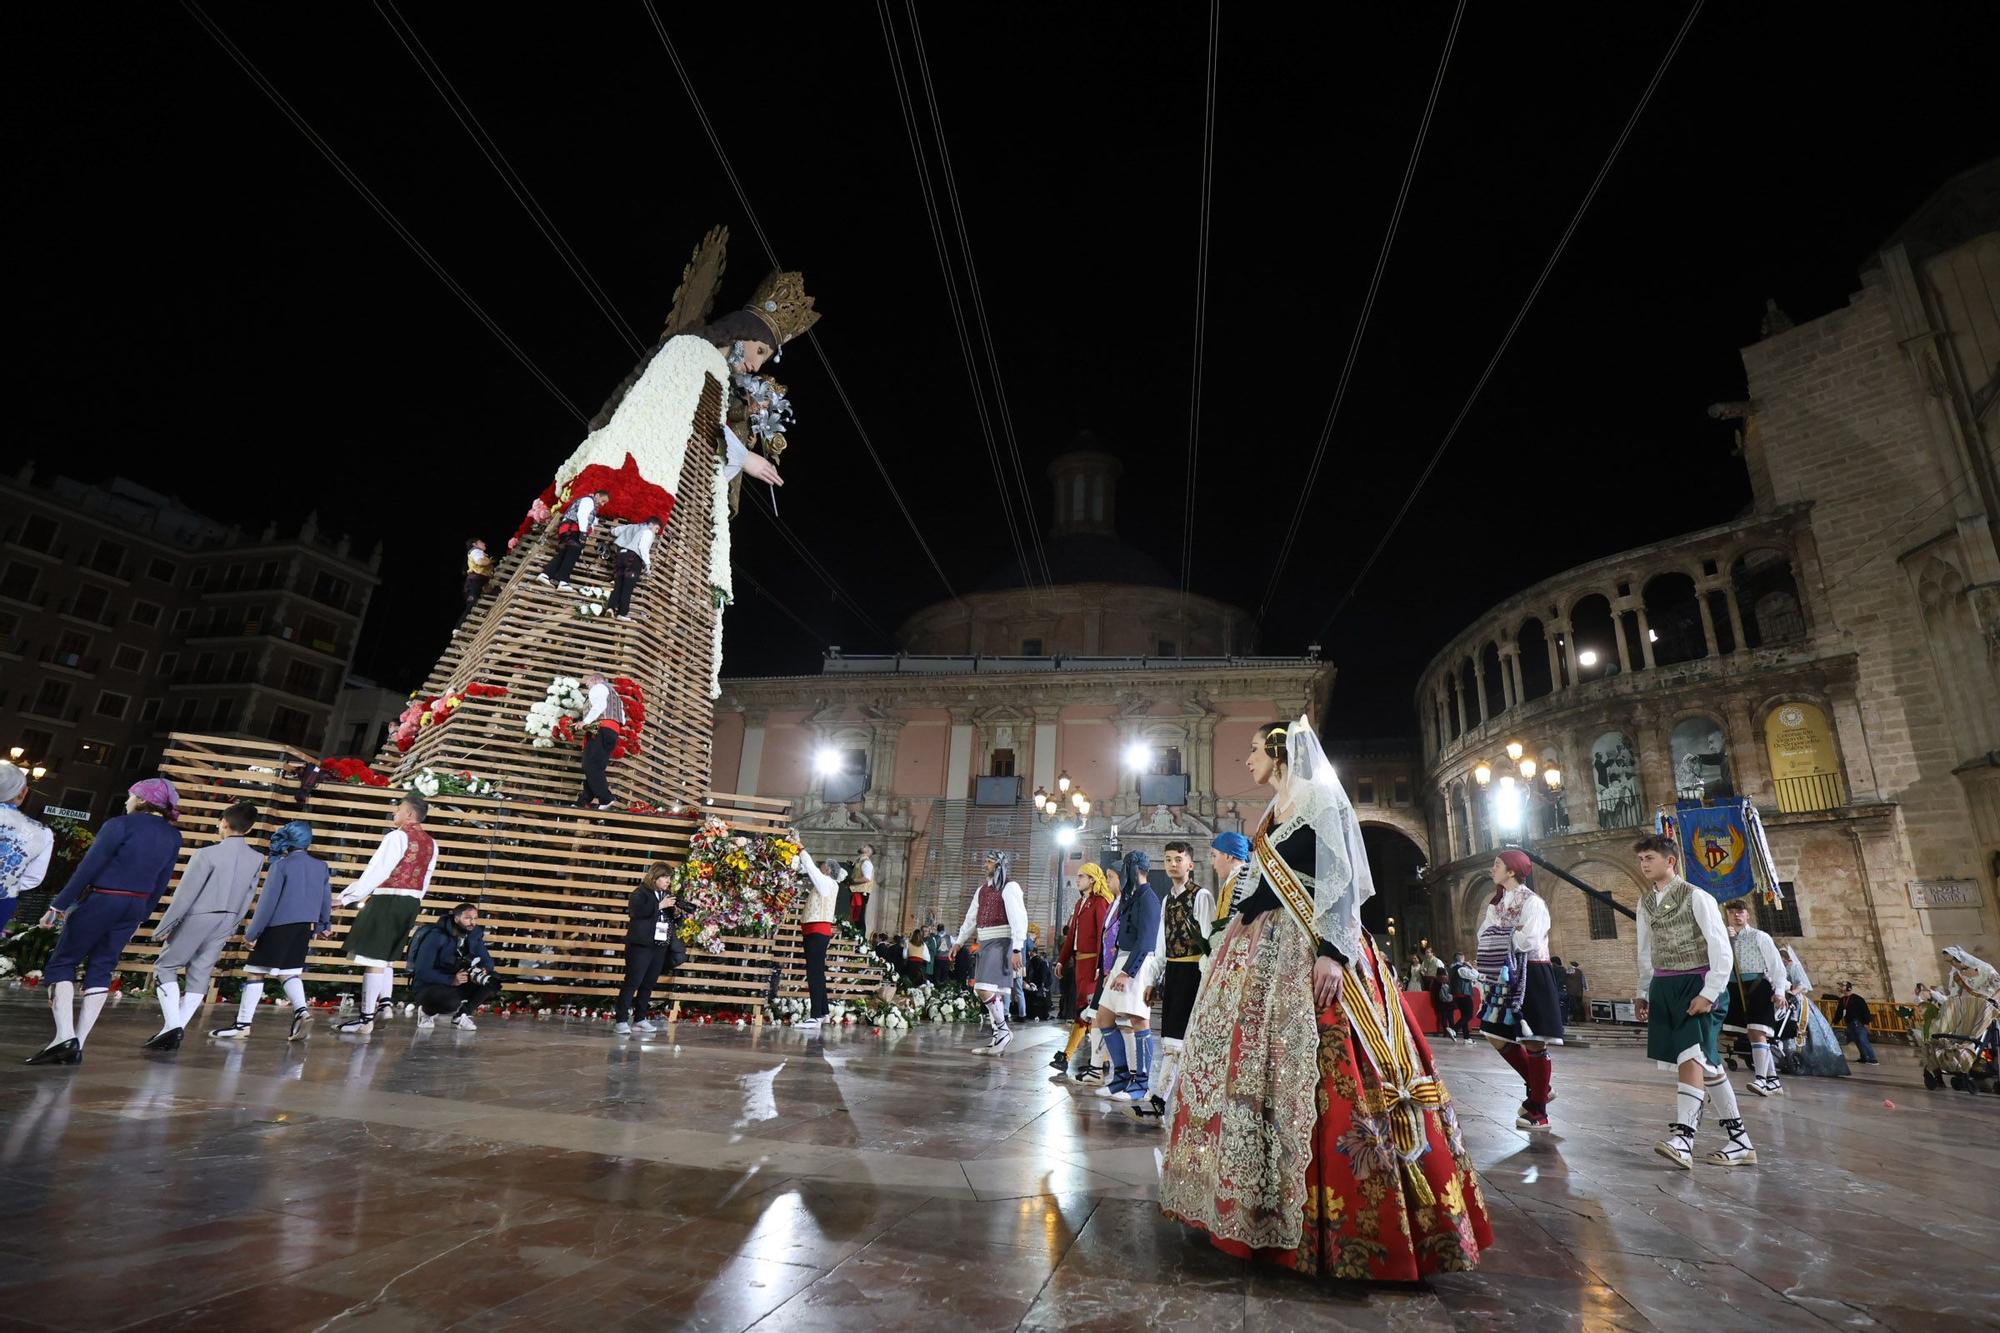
column 1517, row 861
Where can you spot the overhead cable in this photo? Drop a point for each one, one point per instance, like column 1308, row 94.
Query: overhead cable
column 1361, row 324
column 1519, row 318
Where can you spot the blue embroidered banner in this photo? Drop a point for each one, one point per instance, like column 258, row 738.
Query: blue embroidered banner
column 1715, row 848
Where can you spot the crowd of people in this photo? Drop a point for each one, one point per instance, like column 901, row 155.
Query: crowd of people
column 1299, row 1100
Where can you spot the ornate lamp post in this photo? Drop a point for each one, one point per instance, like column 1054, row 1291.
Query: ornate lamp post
column 1513, row 799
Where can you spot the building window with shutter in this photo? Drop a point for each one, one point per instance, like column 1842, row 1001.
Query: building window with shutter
column 1603, row 920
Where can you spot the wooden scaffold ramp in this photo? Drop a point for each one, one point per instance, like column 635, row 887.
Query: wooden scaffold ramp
column 551, row 881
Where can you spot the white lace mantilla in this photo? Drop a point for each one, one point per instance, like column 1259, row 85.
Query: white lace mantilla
column 656, row 418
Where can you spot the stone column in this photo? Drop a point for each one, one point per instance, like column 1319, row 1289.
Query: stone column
column 1510, row 690
column 1458, row 692
column 750, row 765
column 1201, row 765
column 1618, row 633
column 1645, row 636
column 958, row 757
column 1714, row 644
column 1736, row 617
column 1549, row 636
column 1047, row 719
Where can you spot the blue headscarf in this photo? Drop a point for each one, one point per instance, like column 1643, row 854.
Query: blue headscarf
column 1134, row 869
column 1232, row 844
column 293, row 837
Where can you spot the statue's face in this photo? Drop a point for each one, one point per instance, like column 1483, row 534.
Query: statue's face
column 755, row 354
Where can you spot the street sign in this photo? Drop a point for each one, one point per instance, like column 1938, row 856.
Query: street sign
column 61, row 812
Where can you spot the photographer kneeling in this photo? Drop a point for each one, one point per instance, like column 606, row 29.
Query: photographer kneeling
column 450, row 970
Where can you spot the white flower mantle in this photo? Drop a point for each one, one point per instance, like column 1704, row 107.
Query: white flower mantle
column 655, row 420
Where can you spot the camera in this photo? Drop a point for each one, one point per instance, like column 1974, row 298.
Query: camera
column 476, row 972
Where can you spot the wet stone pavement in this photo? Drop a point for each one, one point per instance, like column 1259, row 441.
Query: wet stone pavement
column 548, row 1175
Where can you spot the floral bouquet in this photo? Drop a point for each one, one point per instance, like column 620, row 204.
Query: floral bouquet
column 734, row 885
column 444, row 782
column 594, row 602
column 634, row 698
column 352, row 772
column 564, row 702
column 423, row 714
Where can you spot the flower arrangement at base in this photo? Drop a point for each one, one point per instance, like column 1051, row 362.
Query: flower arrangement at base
column 444, row 782
column 423, row 714
column 733, row 885
column 949, row 1003
column 594, row 602
column 788, row 1009
column 563, row 703
column 351, row 772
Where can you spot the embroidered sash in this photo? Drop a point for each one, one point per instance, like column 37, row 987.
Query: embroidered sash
column 1296, row 897
column 1405, row 1091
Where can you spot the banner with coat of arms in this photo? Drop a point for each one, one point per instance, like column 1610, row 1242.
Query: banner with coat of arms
column 1723, row 849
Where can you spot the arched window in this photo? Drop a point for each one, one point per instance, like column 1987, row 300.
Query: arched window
column 1700, row 751
column 1490, row 669
column 1674, row 617
column 1468, row 680
column 1595, row 637
column 1535, row 678
column 1451, row 717
column 1614, row 772
column 1767, row 595
column 1804, row 766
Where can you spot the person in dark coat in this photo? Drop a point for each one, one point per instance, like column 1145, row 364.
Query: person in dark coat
column 450, row 969
column 652, row 945
column 111, row 893
column 1855, row 1013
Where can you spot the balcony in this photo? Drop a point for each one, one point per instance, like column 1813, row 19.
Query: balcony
column 104, row 619
column 70, row 661
column 225, row 629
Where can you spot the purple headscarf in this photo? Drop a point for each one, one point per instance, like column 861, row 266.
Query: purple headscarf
column 160, row 792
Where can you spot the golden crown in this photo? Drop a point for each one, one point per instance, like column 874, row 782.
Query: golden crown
column 781, row 302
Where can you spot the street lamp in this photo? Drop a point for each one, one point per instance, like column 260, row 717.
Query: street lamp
column 827, row 761
column 1513, row 801
column 1138, row 756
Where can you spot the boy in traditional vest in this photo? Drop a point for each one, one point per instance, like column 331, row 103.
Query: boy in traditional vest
column 391, row 891
column 1756, row 994
column 1684, row 964
column 1185, row 916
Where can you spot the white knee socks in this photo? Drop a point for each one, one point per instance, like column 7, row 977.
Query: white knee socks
column 1760, row 1059
column 375, row 987
column 62, row 1004
column 1096, row 1049
column 1688, row 1101
column 191, row 1004
column 295, row 991
column 1723, row 1097
column 93, row 1005
column 253, row 995
column 170, row 1003
column 996, row 1005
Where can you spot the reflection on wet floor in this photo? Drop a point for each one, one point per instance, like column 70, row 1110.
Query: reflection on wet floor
column 537, row 1174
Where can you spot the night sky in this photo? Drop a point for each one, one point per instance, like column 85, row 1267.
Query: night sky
column 209, row 309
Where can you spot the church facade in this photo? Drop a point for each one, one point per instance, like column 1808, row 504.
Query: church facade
column 1833, row 654
column 1106, row 676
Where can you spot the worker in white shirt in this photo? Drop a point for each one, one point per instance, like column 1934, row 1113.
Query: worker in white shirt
column 572, row 529
column 631, row 557
column 606, row 713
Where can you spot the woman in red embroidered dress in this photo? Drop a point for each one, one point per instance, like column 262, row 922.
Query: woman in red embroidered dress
column 1310, row 1129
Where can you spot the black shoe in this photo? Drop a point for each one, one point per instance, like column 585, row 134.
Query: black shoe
column 1060, row 1064
column 301, row 1025
column 58, row 1053
column 170, row 1040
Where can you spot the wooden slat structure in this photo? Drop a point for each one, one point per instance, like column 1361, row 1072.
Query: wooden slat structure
column 524, row 634
column 551, row 881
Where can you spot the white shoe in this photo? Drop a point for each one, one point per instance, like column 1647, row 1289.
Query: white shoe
column 564, row 587
column 622, row 1029
column 645, row 1025
column 1738, row 1151
column 807, row 1025
column 427, row 1023
column 1756, row 1085
column 626, row 620
column 234, row 1032
column 464, row 1023
column 1001, row 1042
column 544, row 578
column 1678, row 1147
column 356, row 1027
